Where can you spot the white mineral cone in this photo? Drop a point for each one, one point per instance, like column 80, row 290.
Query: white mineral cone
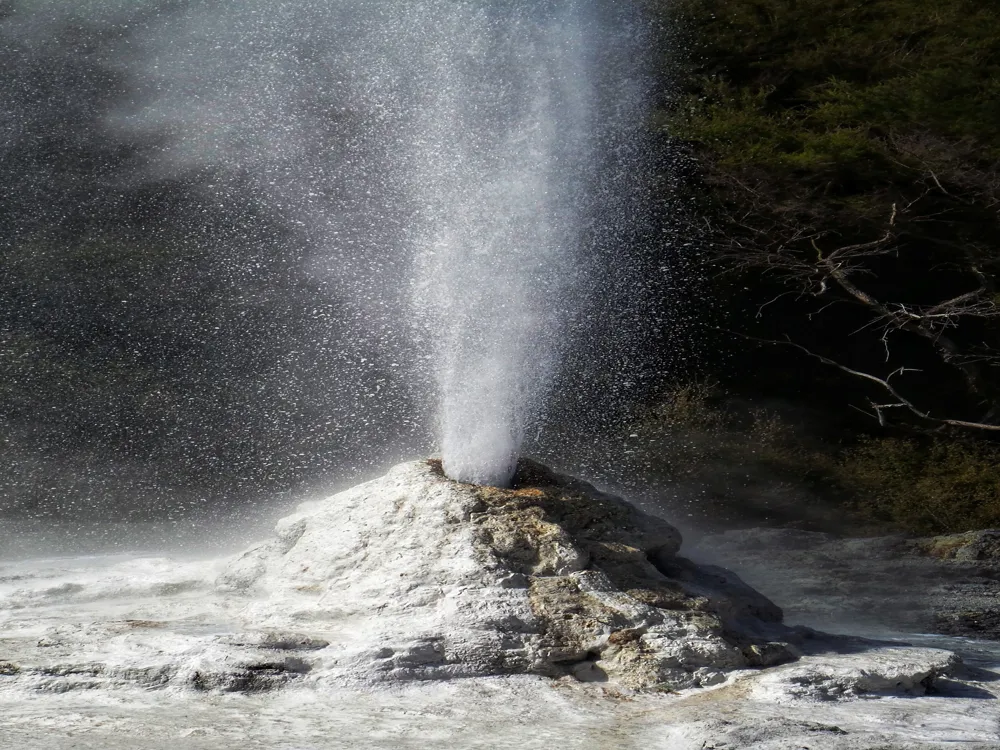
column 413, row 576
column 416, row 576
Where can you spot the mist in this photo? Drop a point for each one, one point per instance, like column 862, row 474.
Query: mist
column 217, row 228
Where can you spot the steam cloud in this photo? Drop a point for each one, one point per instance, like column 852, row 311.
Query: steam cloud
column 455, row 178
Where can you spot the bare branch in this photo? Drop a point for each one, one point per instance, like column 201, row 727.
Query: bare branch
column 900, row 402
column 787, row 242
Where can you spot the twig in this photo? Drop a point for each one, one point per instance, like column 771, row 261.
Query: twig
column 901, row 401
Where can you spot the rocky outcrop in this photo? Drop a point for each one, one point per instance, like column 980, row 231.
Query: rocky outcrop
column 550, row 577
column 413, row 577
column 347, row 621
column 972, row 546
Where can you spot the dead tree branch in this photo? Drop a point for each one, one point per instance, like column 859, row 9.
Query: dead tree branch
column 901, row 402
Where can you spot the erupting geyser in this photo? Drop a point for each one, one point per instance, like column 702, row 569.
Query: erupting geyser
column 455, row 170
column 518, row 112
column 460, row 183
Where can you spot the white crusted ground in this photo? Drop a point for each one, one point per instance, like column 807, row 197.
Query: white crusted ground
column 291, row 646
column 414, row 576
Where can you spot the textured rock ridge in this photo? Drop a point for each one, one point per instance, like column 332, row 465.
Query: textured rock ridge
column 612, row 596
column 550, row 577
column 413, row 577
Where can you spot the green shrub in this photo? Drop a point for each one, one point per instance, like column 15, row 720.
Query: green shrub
column 871, row 126
column 926, row 487
column 690, row 406
column 698, row 429
column 916, row 484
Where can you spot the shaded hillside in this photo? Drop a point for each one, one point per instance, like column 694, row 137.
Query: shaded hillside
column 847, row 164
column 849, row 155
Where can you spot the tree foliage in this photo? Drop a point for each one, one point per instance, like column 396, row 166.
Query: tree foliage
column 850, row 164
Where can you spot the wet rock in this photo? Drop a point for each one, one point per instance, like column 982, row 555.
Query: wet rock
column 549, row 577
column 972, row 546
column 976, row 623
column 877, row 671
column 276, row 640
column 8, row 669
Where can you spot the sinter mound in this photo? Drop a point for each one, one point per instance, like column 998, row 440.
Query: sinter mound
column 550, row 577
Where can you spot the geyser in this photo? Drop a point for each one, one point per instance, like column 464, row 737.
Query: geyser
column 519, row 104
column 455, row 171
